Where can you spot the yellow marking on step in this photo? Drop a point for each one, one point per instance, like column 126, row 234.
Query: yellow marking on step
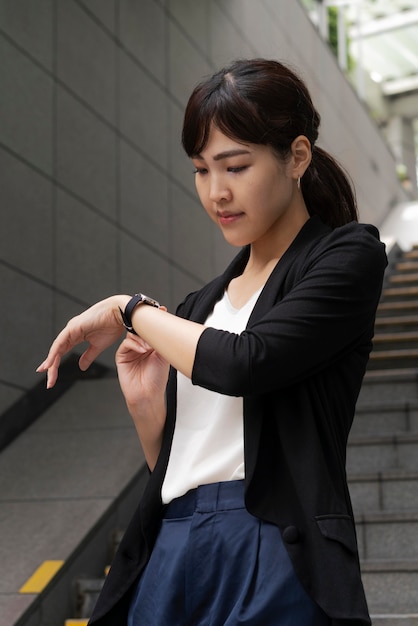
column 41, row 577
column 76, row 622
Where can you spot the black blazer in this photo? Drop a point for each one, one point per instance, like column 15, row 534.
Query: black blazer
column 299, row 366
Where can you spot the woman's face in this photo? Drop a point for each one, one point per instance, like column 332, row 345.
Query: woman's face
column 247, row 191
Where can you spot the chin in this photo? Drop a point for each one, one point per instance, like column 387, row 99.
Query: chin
column 236, row 242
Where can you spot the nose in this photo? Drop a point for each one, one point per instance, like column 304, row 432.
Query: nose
column 219, row 191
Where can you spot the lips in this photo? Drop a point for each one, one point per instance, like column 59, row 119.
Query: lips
column 227, row 217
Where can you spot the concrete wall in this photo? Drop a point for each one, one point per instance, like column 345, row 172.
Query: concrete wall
column 96, row 195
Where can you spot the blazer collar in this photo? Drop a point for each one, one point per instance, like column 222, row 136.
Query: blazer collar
column 310, row 231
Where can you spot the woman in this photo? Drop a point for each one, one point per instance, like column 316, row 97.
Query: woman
column 246, row 518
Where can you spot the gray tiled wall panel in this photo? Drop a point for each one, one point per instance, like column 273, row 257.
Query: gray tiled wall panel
column 180, row 165
column 144, row 203
column 187, row 64
column 193, row 18
column 26, row 233
column 86, row 256
column 143, row 111
column 8, row 395
column 182, row 285
column 142, row 28
column 82, row 43
column 144, row 270
column 30, row 25
column 25, row 107
column 227, row 40
column 26, row 327
column 104, row 10
column 191, row 226
column 86, row 159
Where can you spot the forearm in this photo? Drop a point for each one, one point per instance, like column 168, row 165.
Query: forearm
column 149, row 421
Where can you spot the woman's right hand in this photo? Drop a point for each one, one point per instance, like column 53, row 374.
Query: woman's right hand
column 143, row 377
column 142, row 372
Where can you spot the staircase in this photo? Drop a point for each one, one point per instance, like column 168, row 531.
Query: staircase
column 382, row 456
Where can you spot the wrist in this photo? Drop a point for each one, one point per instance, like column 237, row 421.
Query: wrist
column 119, row 303
column 128, row 310
column 148, row 408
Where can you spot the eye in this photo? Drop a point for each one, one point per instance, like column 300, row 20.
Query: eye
column 238, row 169
column 200, row 170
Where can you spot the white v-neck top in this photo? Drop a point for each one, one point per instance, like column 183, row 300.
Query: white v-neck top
column 208, row 442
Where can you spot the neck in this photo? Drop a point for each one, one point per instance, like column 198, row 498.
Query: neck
column 265, row 253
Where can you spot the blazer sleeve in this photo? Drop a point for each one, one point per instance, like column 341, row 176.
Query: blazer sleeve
column 328, row 312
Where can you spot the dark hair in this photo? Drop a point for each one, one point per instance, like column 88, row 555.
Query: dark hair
column 263, row 102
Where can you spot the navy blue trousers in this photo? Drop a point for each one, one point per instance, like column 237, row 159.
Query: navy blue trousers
column 214, row 564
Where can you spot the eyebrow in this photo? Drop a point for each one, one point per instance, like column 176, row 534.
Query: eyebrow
column 225, row 155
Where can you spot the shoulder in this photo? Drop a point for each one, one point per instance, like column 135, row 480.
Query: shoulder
column 321, row 251
column 359, row 231
column 353, row 240
column 349, row 256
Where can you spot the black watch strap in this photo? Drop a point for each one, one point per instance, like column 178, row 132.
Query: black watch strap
column 138, row 298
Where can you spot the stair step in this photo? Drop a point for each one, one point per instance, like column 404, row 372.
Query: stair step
column 382, row 453
column 396, row 358
column 389, row 385
column 395, row 340
column 411, row 254
column 385, row 418
column 405, row 277
column 391, row 586
column 395, row 620
column 400, row 292
column 400, row 336
column 400, row 306
column 396, row 320
column 88, row 590
column 384, row 491
column 407, row 266
column 387, row 535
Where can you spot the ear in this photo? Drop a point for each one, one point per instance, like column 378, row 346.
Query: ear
column 301, row 156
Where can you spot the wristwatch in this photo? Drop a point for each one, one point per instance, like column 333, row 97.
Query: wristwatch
column 138, row 298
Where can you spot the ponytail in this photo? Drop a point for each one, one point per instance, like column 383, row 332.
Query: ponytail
column 328, row 191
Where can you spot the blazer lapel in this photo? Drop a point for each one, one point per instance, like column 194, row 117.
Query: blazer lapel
column 211, row 293
column 291, row 261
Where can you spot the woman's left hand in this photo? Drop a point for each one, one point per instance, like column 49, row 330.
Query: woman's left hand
column 100, row 325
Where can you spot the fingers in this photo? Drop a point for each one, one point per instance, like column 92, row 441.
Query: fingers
column 134, row 343
column 52, row 362
column 53, row 373
column 51, row 366
column 88, row 357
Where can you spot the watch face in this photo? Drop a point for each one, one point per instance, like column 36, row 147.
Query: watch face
column 147, row 300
